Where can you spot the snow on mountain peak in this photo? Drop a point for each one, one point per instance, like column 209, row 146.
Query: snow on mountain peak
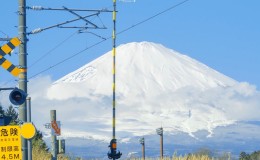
column 145, row 67
column 154, row 85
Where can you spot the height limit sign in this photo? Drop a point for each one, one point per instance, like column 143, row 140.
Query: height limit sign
column 10, row 143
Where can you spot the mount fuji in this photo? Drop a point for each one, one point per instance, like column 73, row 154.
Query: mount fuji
column 155, row 87
column 150, row 82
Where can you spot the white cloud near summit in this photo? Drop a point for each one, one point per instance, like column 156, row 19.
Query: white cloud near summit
column 187, row 109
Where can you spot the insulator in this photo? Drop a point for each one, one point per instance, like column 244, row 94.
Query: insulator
column 36, row 31
column 37, row 7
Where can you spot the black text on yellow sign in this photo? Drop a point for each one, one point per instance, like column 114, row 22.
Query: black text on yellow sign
column 6, row 49
column 10, row 143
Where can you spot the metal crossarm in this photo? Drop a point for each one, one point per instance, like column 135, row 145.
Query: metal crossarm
column 60, row 24
column 79, row 16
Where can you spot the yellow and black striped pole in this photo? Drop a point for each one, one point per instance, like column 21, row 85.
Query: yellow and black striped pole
column 114, row 70
column 113, row 145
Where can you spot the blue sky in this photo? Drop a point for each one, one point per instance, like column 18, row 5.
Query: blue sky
column 223, row 34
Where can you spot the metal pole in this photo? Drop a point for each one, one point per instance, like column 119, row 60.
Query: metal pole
column 29, row 120
column 142, row 142
column 114, row 69
column 114, row 72
column 113, row 146
column 29, row 109
column 5, row 39
column 161, row 146
column 143, row 151
column 23, row 67
column 160, row 132
column 53, row 138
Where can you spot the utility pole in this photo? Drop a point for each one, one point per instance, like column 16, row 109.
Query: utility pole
column 113, row 154
column 54, row 150
column 114, row 70
column 23, row 68
column 143, row 147
column 29, row 120
column 160, row 133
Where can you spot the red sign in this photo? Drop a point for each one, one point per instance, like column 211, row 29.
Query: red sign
column 55, row 125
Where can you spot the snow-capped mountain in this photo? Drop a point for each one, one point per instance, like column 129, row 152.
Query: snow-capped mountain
column 150, row 84
column 155, row 86
column 146, row 68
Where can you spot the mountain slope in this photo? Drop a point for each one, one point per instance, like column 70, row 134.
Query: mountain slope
column 148, row 69
column 155, row 86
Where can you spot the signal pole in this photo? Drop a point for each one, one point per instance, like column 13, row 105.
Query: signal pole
column 160, row 133
column 114, row 70
column 113, row 144
column 143, row 147
column 23, row 68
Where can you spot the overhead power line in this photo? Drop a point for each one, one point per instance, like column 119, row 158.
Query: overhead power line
column 54, row 48
column 103, row 40
column 152, row 17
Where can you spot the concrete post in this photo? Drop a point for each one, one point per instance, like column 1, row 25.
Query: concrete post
column 54, row 150
column 23, row 68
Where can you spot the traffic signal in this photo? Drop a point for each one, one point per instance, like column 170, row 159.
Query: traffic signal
column 141, row 140
column 17, row 96
column 113, row 154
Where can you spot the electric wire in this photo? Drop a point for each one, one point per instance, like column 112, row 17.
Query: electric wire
column 131, row 27
column 43, row 56
column 46, row 54
column 152, row 17
column 68, row 58
column 53, row 49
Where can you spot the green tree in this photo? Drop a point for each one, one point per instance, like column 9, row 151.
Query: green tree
column 38, row 141
column 244, row 156
column 2, row 112
column 12, row 113
column 255, row 155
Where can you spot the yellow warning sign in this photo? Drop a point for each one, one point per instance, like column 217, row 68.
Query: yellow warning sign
column 10, row 143
column 28, row 130
column 6, row 49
